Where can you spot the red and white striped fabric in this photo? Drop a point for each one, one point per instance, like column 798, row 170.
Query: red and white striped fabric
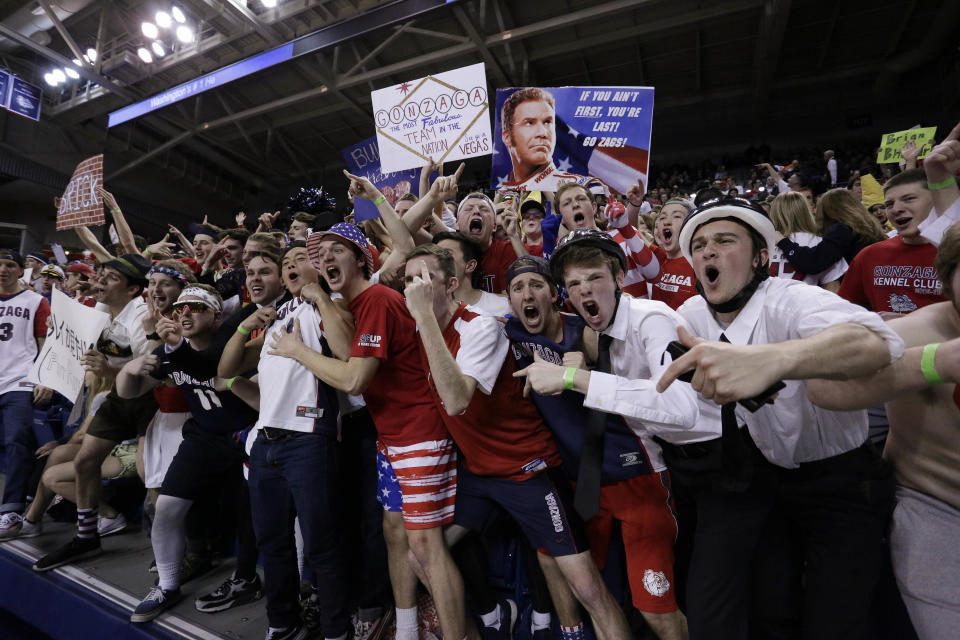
column 427, row 473
column 642, row 263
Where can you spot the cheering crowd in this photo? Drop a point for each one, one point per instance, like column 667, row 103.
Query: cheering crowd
column 360, row 409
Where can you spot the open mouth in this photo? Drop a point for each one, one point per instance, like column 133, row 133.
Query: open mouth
column 578, row 218
column 476, row 226
column 531, row 314
column 292, row 276
column 159, row 300
column 902, row 222
column 256, row 290
column 667, row 233
column 591, row 308
column 332, row 274
column 186, row 324
column 712, row 273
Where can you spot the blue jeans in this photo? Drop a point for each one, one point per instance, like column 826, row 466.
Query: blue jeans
column 16, row 416
column 299, row 476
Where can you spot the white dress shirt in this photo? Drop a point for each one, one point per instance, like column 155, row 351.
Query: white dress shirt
column 792, row 430
column 641, row 331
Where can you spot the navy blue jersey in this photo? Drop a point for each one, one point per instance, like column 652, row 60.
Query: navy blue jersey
column 212, row 411
column 623, row 454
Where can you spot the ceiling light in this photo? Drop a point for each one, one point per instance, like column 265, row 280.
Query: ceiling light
column 150, row 30
column 91, row 55
column 71, row 73
column 144, row 55
column 157, row 47
column 59, row 75
column 178, row 15
column 184, row 34
column 50, row 79
column 77, row 63
column 269, row 4
column 163, row 19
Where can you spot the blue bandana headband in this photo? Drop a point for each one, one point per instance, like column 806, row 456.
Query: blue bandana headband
column 168, row 271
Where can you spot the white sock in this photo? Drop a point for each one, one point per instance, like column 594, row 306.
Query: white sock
column 539, row 621
column 169, row 575
column 407, row 624
column 492, row 619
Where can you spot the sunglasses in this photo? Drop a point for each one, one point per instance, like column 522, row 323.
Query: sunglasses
column 193, row 306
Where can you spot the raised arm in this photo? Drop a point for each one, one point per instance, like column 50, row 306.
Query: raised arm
column 338, row 324
column 442, row 189
column 90, row 242
column 124, row 233
column 941, row 167
column 821, row 257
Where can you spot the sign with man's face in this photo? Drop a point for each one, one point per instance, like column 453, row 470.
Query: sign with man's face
column 590, row 135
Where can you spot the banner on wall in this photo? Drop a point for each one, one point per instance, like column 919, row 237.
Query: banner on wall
column 545, row 136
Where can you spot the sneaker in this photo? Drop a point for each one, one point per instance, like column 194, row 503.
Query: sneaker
column 108, row 526
column 194, row 566
column 297, row 632
column 76, row 549
column 508, row 616
column 311, row 612
column 232, row 593
column 31, row 529
column 156, row 602
column 10, row 524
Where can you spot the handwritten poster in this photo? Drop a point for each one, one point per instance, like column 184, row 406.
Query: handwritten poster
column 444, row 117
column 80, row 205
column 75, row 328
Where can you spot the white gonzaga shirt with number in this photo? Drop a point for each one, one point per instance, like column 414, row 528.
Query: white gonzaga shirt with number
column 291, row 397
column 18, row 343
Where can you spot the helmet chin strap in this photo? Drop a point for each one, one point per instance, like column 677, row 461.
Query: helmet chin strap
column 738, row 301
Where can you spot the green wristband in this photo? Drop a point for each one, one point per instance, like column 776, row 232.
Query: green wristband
column 242, row 331
column 926, row 364
column 230, row 382
column 568, row 375
column 936, row 186
column 117, row 210
column 380, row 200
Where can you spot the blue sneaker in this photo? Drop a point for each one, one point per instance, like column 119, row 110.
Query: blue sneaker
column 156, row 602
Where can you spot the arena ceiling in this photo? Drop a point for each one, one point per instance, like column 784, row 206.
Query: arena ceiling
column 727, row 73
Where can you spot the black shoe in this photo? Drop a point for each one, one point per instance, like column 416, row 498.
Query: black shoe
column 76, row 549
column 233, row 592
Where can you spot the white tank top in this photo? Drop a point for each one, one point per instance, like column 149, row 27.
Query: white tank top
column 18, row 344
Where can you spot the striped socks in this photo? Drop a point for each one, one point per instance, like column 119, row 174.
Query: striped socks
column 86, row 523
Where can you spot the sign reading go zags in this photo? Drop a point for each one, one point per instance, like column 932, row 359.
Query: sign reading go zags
column 80, row 204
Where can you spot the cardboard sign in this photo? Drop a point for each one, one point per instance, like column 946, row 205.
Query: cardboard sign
column 75, row 329
column 363, row 159
column 565, row 134
column 80, row 205
column 59, row 253
column 891, row 144
column 444, row 117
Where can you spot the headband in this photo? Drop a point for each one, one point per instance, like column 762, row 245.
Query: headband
column 214, row 301
column 167, row 271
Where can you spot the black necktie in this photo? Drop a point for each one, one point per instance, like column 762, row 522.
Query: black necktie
column 733, row 460
column 586, row 499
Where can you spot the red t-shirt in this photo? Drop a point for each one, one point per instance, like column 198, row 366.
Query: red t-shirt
column 494, row 264
column 893, row 276
column 534, row 249
column 396, row 397
column 501, row 433
column 676, row 281
column 40, row 319
column 170, row 399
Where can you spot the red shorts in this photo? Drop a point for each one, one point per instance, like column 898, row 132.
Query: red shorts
column 644, row 507
column 427, row 474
